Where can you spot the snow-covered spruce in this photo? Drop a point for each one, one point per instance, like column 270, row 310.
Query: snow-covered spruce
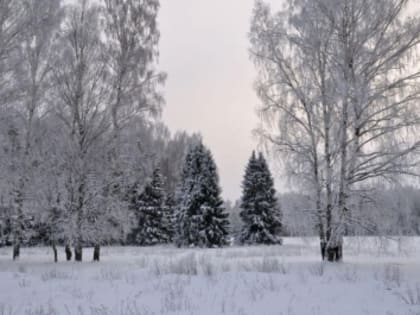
column 201, row 218
column 260, row 213
column 152, row 215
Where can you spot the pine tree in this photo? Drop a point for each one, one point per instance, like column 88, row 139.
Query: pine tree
column 201, row 218
column 153, row 220
column 260, row 213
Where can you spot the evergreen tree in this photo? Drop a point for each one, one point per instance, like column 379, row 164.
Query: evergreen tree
column 201, row 218
column 183, row 216
column 260, row 213
column 170, row 206
column 153, row 220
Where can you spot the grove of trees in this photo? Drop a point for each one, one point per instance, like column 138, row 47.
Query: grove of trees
column 80, row 100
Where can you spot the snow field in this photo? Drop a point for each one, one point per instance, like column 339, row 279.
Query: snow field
column 379, row 276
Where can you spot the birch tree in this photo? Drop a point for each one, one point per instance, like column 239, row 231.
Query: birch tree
column 12, row 25
column 11, row 28
column 339, row 88
column 132, row 39
column 80, row 94
column 41, row 20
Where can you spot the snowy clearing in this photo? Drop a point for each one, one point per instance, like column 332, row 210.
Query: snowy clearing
column 378, row 276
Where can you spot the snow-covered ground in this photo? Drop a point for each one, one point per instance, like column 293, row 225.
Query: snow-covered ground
column 379, row 276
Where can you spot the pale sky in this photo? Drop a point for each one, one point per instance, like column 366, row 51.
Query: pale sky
column 204, row 50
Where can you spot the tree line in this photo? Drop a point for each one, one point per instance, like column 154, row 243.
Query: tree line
column 196, row 215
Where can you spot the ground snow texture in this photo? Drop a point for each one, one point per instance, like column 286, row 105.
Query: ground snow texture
column 378, row 276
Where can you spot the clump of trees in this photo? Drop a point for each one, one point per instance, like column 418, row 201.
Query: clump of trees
column 80, row 99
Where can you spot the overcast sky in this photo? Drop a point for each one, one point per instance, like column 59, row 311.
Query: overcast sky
column 204, row 50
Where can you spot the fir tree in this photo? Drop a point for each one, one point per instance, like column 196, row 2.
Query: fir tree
column 153, row 220
column 201, row 219
column 260, row 213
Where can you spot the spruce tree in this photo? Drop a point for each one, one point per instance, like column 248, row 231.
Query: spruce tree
column 170, row 206
column 215, row 217
column 260, row 213
column 201, row 218
column 184, row 210
column 153, row 220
